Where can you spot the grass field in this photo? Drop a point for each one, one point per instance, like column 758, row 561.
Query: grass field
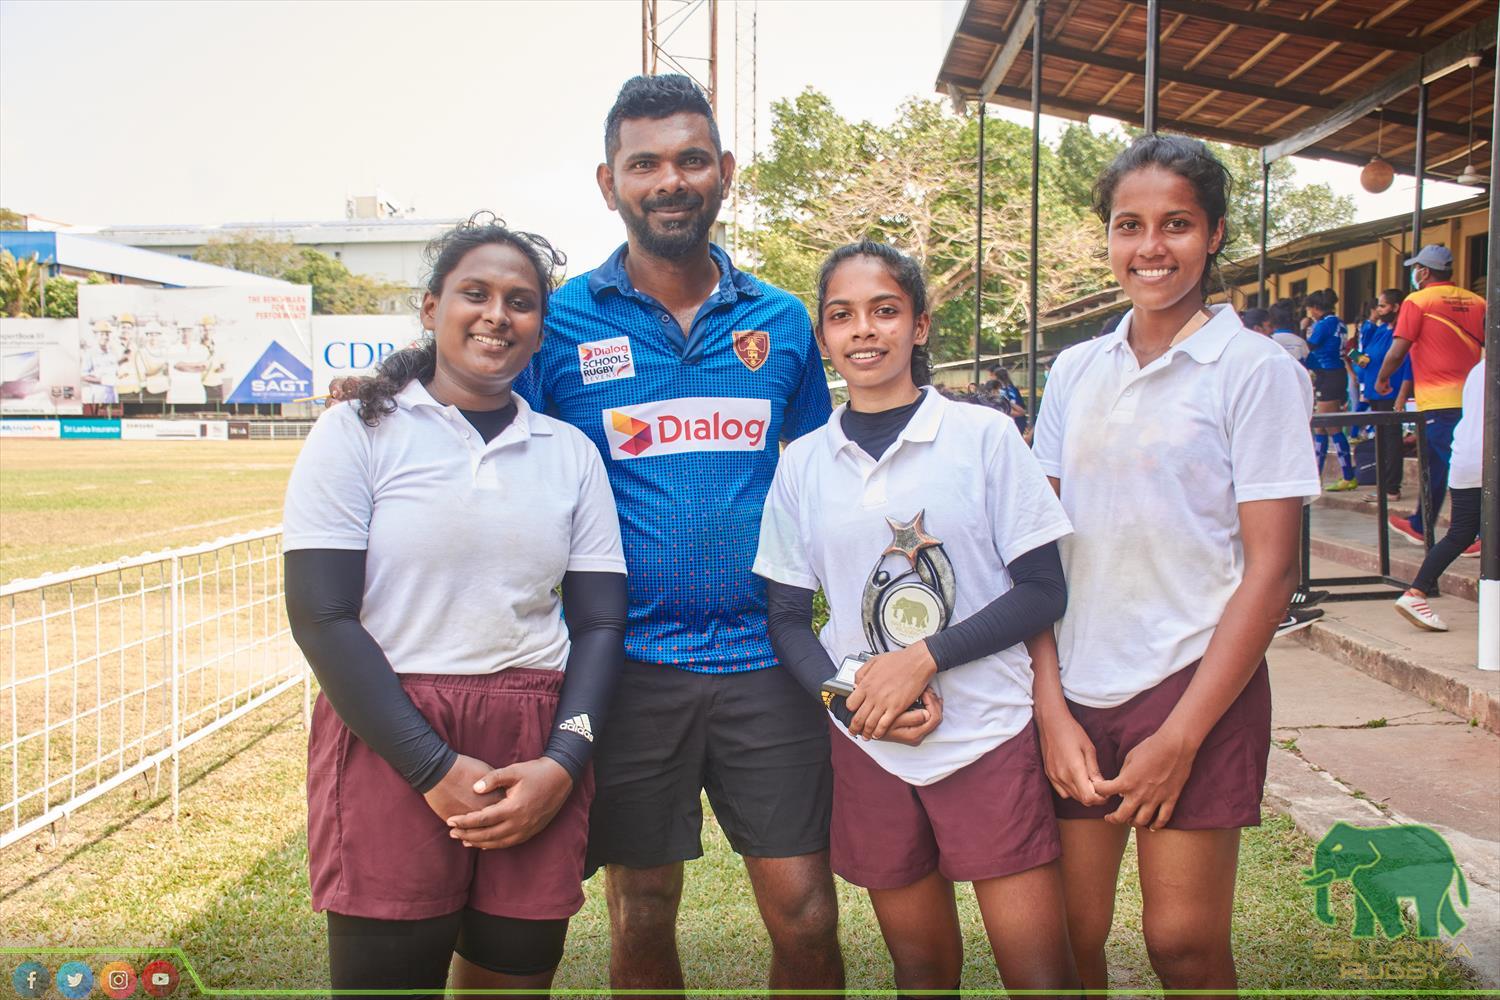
column 228, row 883
column 76, row 503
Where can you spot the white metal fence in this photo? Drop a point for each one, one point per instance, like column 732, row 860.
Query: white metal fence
column 110, row 672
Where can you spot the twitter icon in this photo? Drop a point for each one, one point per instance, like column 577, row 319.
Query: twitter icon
column 75, row 980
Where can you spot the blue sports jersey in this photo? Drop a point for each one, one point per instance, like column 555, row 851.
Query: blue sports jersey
column 1325, row 344
column 1375, row 340
column 689, row 426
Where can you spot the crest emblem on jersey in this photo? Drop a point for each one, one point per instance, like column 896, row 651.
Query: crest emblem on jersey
column 752, row 347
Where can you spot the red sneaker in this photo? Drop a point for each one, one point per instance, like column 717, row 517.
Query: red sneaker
column 1405, row 530
column 1472, row 551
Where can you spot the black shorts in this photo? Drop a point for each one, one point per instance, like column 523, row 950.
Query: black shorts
column 1330, row 385
column 755, row 741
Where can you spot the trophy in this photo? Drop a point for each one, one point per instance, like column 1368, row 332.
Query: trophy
column 908, row 596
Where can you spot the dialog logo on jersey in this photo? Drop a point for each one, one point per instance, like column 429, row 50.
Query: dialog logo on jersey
column 605, row 360
column 697, row 423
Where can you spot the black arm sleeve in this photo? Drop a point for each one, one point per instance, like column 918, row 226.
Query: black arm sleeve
column 595, row 605
column 1037, row 598
column 789, row 620
column 324, row 593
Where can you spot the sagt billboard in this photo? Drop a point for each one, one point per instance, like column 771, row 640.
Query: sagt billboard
column 195, row 345
column 355, row 345
column 39, row 367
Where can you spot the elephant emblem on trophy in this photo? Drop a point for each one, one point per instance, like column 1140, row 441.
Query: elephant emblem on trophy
column 911, row 613
column 1385, row 865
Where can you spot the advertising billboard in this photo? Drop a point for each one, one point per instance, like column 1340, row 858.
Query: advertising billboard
column 195, row 345
column 355, row 345
column 39, row 367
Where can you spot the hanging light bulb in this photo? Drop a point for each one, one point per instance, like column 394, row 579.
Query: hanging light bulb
column 1377, row 174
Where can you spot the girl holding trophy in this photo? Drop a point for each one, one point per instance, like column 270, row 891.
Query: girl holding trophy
column 932, row 532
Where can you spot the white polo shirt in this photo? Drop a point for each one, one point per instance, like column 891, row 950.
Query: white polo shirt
column 827, row 523
column 1466, row 466
column 1153, row 464
column 465, row 542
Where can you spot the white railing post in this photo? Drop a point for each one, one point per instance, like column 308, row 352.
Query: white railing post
column 174, row 665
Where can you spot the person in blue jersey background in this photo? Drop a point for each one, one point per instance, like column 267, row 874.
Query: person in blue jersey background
column 1375, row 335
column 1325, row 359
column 687, row 374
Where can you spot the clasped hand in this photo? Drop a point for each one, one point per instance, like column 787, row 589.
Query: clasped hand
column 491, row 808
column 1150, row 780
column 885, row 689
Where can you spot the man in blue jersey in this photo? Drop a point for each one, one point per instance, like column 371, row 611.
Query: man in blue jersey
column 687, row 374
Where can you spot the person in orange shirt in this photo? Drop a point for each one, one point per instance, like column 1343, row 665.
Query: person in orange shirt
column 1442, row 326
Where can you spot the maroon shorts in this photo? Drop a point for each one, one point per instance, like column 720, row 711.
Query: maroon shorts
column 986, row 820
column 375, row 848
column 1224, row 788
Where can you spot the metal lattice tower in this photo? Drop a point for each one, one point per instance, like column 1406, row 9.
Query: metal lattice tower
column 746, row 102
column 668, row 46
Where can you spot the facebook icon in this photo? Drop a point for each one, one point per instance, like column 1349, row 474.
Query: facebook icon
column 30, row 979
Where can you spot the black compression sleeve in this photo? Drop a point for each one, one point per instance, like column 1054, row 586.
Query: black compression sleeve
column 595, row 607
column 1037, row 598
column 324, row 593
column 789, row 620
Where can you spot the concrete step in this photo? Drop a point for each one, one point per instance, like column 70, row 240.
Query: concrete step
column 1437, row 667
column 1355, row 502
column 1351, row 749
column 1352, row 538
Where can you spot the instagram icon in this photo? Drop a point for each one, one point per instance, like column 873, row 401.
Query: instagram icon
column 117, row 980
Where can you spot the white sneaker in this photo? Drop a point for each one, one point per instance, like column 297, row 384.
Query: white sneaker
column 1416, row 610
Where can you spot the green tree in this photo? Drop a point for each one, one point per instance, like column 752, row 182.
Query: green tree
column 826, row 181
column 21, row 285
column 1295, row 209
column 337, row 291
column 11, row 219
column 249, row 251
column 62, row 295
column 62, row 298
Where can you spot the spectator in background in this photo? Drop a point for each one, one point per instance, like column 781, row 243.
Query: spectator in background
column 1325, row 359
column 1374, row 343
column 1258, row 320
column 1283, row 318
column 1442, row 326
column 1464, row 475
column 1008, row 397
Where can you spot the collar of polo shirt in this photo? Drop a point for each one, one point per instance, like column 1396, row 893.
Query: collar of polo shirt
column 611, row 276
column 1204, row 346
column 415, row 394
column 923, row 425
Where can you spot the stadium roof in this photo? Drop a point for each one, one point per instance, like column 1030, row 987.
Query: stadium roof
column 85, row 253
column 1260, row 73
column 299, row 232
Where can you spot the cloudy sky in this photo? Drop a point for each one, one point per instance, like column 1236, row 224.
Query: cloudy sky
column 114, row 113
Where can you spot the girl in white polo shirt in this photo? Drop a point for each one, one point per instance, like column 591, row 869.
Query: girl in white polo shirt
column 932, row 532
column 1181, row 449
column 428, row 524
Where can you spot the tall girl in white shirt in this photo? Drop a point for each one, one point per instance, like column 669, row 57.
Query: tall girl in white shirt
column 1181, row 451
